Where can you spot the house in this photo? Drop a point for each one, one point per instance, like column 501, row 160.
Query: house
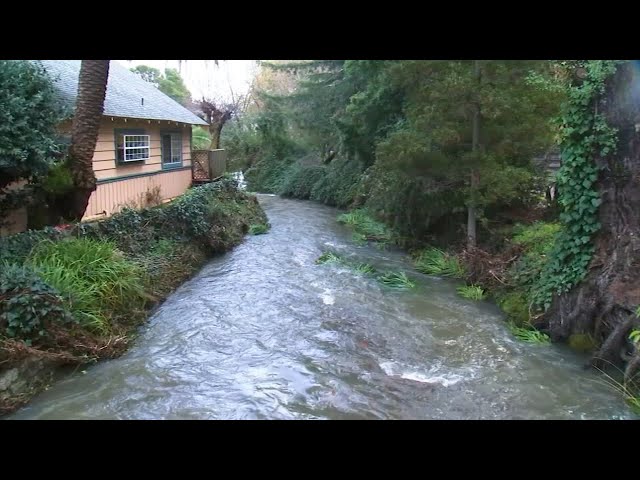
column 143, row 152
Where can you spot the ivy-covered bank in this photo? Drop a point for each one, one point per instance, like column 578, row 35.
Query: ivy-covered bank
column 76, row 293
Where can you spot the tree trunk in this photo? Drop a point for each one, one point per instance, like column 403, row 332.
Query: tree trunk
column 603, row 304
column 475, row 144
column 215, row 129
column 92, row 88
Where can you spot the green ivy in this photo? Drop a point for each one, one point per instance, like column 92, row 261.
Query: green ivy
column 27, row 304
column 584, row 134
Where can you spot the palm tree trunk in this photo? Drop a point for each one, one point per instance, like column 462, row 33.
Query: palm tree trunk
column 92, row 89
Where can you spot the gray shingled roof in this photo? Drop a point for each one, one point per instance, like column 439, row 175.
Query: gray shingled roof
column 125, row 91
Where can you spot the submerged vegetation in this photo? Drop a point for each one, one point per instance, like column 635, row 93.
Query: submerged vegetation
column 433, row 261
column 396, row 280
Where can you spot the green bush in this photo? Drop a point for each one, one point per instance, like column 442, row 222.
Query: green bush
column 16, row 248
column 433, row 261
column 299, row 180
column 268, row 174
column 200, row 138
column 167, row 263
column 30, row 111
column 516, row 305
column 415, row 207
column 339, row 186
column 523, row 276
column 27, row 304
column 538, row 237
column 98, row 284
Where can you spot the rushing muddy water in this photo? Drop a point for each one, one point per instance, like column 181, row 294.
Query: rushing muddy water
column 264, row 333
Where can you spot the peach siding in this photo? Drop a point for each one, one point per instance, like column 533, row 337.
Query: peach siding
column 104, row 157
column 16, row 220
column 109, row 198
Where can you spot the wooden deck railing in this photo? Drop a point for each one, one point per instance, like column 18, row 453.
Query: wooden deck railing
column 208, row 165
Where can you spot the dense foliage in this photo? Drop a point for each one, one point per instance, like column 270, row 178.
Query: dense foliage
column 396, row 137
column 170, row 82
column 584, row 134
column 28, row 305
column 29, row 114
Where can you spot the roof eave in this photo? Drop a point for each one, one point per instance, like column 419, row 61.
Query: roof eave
column 152, row 120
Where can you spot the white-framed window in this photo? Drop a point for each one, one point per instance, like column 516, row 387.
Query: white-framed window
column 136, row 147
column 132, row 146
column 171, row 149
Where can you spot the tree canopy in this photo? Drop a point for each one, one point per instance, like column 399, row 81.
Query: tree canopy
column 170, row 82
column 29, row 114
column 400, row 132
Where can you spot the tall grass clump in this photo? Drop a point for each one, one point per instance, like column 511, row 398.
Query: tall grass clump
column 364, row 268
column 529, row 334
column 433, row 261
column 472, row 292
column 366, row 227
column 329, row 257
column 398, row 280
column 98, row 284
column 258, row 229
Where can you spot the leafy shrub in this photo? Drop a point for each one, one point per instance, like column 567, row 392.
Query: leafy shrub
column 268, row 174
column 98, row 285
column 472, row 292
column 27, row 304
column 339, row 185
column 16, row 248
column 433, row 261
column 167, row 263
column 516, row 305
column 537, row 237
column 215, row 216
column 29, row 114
column 58, row 180
column 299, row 180
column 200, row 138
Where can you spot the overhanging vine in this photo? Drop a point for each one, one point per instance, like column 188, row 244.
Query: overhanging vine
column 584, row 134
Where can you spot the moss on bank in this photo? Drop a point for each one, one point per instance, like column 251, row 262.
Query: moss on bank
column 77, row 294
